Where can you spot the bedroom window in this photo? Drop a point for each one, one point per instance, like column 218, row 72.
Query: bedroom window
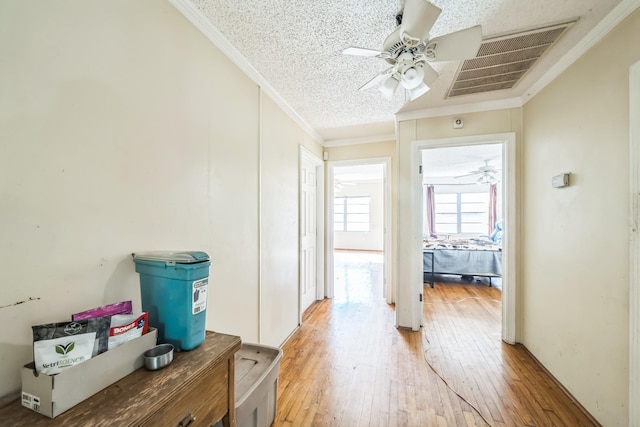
column 352, row 213
column 462, row 213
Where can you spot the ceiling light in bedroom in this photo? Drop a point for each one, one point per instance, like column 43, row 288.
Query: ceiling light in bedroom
column 487, row 179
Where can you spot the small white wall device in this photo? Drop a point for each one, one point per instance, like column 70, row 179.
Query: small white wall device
column 560, row 181
column 458, row 123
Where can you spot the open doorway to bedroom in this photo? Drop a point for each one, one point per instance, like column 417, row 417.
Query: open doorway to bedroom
column 507, row 142
column 462, row 215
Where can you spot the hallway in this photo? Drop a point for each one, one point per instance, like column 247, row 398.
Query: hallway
column 348, row 365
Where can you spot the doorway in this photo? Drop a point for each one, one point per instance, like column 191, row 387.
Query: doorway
column 462, row 213
column 359, row 215
column 508, row 166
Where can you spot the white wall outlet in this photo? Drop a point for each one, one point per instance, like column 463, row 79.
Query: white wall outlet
column 458, row 123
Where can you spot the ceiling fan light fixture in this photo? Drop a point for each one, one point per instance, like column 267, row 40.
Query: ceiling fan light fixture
column 405, row 50
column 388, row 88
column 412, row 77
column 487, row 179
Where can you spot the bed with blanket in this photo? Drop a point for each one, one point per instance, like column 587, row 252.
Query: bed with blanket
column 467, row 258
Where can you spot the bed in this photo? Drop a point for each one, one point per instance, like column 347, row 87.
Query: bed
column 466, row 259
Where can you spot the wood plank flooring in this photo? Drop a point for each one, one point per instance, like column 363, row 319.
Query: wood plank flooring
column 348, row 365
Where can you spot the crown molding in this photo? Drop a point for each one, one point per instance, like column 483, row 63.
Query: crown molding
column 617, row 15
column 360, row 140
column 452, row 110
column 196, row 17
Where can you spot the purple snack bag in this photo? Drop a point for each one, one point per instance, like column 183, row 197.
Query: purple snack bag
column 123, row 307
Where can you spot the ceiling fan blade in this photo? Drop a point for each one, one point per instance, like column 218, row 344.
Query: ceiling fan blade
column 377, row 79
column 469, row 174
column 463, row 44
column 418, row 17
column 361, row 51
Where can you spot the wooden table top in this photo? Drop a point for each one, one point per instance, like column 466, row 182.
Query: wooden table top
column 115, row 405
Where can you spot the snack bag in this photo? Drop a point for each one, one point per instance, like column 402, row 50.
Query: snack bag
column 125, row 327
column 123, row 307
column 58, row 346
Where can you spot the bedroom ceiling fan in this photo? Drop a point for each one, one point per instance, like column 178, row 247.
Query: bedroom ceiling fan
column 487, row 173
column 408, row 49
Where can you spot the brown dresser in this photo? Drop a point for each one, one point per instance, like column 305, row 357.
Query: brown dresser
column 196, row 389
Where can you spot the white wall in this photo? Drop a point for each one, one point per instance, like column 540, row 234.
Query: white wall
column 123, row 129
column 372, row 240
column 279, row 224
column 575, row 239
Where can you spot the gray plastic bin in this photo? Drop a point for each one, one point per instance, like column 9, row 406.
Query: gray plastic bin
column 256, row 386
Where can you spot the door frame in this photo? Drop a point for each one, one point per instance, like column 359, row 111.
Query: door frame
column 388, row 290
column 306, row 154
column 509, row 285
column 634, row 245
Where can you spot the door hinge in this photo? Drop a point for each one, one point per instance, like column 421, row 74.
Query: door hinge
column 420, row 297
column 420, row 169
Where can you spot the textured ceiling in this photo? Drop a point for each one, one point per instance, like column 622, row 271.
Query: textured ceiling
column 296, row 47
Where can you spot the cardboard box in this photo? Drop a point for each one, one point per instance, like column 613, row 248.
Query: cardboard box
column 51, row 395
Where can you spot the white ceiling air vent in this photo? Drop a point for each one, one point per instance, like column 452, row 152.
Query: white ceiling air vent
column 502, row 61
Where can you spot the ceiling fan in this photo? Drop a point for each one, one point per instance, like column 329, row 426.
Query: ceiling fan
column 339, row 184
column 408, row 49
column 487, row 173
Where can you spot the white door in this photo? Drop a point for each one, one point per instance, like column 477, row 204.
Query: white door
column 308, row 233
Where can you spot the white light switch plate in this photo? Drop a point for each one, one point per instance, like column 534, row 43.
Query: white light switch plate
column 560, row 181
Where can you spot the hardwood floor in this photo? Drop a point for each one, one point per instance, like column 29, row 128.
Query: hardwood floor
column 348, row 365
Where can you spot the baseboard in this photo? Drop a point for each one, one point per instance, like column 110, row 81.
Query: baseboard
column 286, row 340
column 10, row 397
column 561, row 387
column 308, row 312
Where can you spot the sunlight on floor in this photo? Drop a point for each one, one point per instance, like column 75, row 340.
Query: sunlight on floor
column 357, row 277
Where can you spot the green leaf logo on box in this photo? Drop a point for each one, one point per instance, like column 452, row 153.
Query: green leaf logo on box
column 65, row 348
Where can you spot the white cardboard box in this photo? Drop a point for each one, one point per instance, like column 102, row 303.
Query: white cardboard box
column 51, row 395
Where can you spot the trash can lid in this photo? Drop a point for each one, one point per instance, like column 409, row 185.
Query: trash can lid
column 179, row 257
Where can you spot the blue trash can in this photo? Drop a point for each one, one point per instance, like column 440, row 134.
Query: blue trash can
column 173, row 289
